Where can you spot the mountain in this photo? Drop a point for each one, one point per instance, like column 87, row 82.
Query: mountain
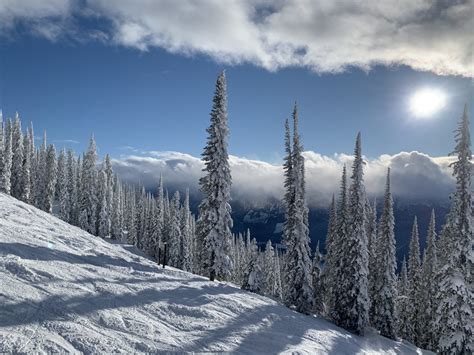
column 64, row 290
column 265, row 223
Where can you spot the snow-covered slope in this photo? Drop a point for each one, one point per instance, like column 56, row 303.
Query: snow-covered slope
column 63, row 290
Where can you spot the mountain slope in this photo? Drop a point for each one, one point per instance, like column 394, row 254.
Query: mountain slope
column 63, row 289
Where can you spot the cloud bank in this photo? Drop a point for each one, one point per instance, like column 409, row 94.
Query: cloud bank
column 415, row 176
column 326, row 36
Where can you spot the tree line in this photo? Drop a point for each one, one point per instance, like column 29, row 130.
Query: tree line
column 355, row 283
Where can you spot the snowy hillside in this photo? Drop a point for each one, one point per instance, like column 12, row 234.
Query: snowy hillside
column 63, row 289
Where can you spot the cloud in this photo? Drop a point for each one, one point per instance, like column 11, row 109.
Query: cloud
column 326, row 36
column 66, row 141
column 415, row 176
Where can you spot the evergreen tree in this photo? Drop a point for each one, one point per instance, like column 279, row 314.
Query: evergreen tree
column 16, row 178
column 385, row 296
column 316, row 278
column 277, row 286
column 117, row 211
column 352, row 308
column 429, row 288
column 175, row 237
column 268, row 269
column 331, row 260
column 253, row 272
column 61, row 187
column 104, row 218
column 88, row 194
column 186, row 234
column 26, row 170
column 371, row 228
column 456, row 285
column 49, row 179
column 299, row 293
column 403, row 304
column 70, row 205
column 414, row 285
column 2, row 154
column 5, row 178
column 215, row 222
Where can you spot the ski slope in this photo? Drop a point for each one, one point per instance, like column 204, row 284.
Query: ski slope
column 64, row 290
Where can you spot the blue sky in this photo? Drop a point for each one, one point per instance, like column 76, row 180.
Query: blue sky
column 159, row 101
column 142, row 96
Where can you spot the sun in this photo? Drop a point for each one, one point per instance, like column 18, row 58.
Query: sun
column 426, row 102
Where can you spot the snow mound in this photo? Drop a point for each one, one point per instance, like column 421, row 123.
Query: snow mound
column 64, row 290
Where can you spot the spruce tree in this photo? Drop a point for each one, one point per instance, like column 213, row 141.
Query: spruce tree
column 62, row 193
column 26, row 170
column 16, row 178
column 331, row 260
column 316, row 280
column 352, row 307
column 371, row 228
column 414, row 285
column 429, row 288
column 456, row 285
column 215, row 222
column 385, row 293
column 175, row 237
column 2, row 154
column 253, row 273
column 299, row 293
column 5, row 178
column 50, row 179
column 88, row 193
column 403, row 304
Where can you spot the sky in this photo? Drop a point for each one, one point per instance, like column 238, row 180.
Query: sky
column 140, row 77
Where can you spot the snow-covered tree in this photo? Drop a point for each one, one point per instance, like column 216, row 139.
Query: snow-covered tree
column 414, row 284
column 385, row 288
column 61, row 187
column 298, row 290
column 253, row 273
column 456, row 285
column 316, row 279
column 175, row 237
column 2, row 154
column 268, row 269
column 88, row 193
column 70, row 205
column 429, row 288
column 26, row 169
column 371, row 229
column 215, row 222
column 49, row 179
column 17, row 159
column 186, row 235
column 117, row 210
column 5, row 178
column 103, row 207
column 331, row 259
column 403, row 304
column 352, row 305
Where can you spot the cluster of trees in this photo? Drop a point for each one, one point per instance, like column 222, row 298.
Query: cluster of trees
column 355, row 283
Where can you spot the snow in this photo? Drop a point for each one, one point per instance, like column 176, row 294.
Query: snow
column 64, row 290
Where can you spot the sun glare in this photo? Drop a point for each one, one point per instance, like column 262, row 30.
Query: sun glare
column 426, row 102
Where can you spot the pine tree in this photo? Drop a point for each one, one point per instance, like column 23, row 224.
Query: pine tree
column 316, row 279
column 371, row 228
column 352, row 307
column 429, row 288
column 26, row 170
column 456, row 285
column 17, row 159
column 268, row 269
column 2, row 154
column 277, row 286
column 215, row 222
column 299, row 293
column 175, row 237
column 61, row 187
column 253, row 273
column 414, row 285
column 50, row 179
column 117, row 211
column 70, row 205
column 385, row 295
column 88, row 194
column 403, row 304
column 104, row 218
column 331, row 260
column 186, row 234
column 5, row 178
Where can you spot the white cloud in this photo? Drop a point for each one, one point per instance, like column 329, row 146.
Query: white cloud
column 324, row 35
column 415, row 176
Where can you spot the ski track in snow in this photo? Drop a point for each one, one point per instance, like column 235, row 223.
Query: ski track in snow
column 64, row 290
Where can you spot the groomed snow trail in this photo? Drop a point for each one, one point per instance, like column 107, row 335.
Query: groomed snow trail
column 64, row 290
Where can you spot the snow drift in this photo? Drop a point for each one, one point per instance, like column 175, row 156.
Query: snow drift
column 64, row 290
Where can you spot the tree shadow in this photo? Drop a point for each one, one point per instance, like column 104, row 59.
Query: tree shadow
column 26, row 251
